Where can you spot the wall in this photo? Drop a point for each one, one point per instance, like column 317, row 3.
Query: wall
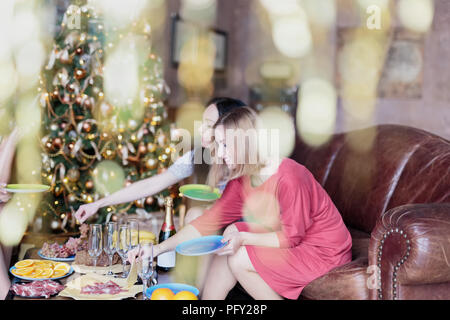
column 249, row 43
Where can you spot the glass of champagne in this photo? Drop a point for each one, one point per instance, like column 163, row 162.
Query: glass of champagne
column 123, row 245
column 110, row 244
column 134, row 229
column 145, row 266
column 95, row 242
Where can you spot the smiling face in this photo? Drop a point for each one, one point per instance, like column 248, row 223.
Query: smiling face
column 210, row 117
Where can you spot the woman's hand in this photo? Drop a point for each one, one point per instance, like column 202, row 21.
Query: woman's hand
column 143, row 252
column 234, row 240
column 4, row 195
column 87, row 210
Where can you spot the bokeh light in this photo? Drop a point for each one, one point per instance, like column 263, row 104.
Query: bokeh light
column 316, row 113
column 109, row 177
column 292, row 36
column 320, row 12
column 188, row 115
column 121, row 74
column 416, row 15
column 277, row 124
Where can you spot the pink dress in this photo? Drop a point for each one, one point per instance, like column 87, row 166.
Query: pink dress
column 312, row 235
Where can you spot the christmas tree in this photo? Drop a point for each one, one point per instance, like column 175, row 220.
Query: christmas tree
column 94, row 145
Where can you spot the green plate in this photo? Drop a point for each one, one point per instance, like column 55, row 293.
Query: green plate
column 26, row 188
column 200, row 192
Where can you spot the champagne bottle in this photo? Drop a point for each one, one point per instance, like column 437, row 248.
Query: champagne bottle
column 166, row 261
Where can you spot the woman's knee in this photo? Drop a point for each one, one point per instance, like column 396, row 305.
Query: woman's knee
column 192, row 214
column 239, row 261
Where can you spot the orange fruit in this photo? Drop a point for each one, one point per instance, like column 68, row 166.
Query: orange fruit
column 46, row 273
column 62, row 266
column 58, row 273
column 36, row 273
column 23, row 271
column 24, row 264
column 43, row 263
column 162, row 294
column 185, row 295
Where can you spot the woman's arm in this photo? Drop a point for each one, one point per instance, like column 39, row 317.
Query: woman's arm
column 137, row 190
column 188, row 232
column 237, row 239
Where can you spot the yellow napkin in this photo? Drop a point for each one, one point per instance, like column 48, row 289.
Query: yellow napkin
column 73, row 288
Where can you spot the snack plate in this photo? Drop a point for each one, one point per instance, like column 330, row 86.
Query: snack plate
column 17, row 281
column 40, row 279
column 201, row 246
column 26, row 188
column 200, row 192
column 68, row 259
column 175, row 287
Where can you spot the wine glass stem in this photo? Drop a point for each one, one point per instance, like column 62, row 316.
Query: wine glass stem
column 95, row 265
column 110, row 264
column 124, row 262
column 144, row 282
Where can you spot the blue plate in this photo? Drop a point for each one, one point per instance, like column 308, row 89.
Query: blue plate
column 200, row 246
column 40, row 279
column 175, row 287
column 68, row 259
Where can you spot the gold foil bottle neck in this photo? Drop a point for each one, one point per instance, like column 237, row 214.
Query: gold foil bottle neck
column 168, row 201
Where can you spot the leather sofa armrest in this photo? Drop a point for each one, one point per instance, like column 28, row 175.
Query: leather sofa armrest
column 410, row 245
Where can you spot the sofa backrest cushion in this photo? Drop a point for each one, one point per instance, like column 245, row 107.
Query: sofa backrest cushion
column 367, row 172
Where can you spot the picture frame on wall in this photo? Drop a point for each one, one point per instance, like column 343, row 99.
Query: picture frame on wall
column 183, row 30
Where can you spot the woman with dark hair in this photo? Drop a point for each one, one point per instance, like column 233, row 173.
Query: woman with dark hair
column 181, row 169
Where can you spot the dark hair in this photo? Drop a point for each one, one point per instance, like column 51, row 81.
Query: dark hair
column 225, row 105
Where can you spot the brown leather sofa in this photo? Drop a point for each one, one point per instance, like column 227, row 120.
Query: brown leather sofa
column 392, row 186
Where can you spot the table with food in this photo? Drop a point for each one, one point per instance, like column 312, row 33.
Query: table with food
column 66, row 271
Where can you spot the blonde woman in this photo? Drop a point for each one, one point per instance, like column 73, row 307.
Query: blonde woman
column 291, row 231
column 7, row 148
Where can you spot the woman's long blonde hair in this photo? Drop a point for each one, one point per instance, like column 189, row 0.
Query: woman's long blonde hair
column 248, row 162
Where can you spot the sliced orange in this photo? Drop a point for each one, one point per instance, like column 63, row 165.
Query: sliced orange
column 43, row 263
column 24, row 264
column 62, row 266
column 36, row 273
column 23, row 271
column 58, row 273
column 46, row 273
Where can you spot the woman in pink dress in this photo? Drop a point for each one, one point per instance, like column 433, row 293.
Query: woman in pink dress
column 290, row 231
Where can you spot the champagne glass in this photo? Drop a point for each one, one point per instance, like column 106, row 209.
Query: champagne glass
column 145, row 266
column 134, row 229
column 95, row 242
column 123, row 245
column 110, row 244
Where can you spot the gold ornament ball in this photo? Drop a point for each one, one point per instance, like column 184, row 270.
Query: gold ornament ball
column 139, row 203
column 142, row 148
column 79, row 74
column 149, row 201
column 151, row 163
column 89, row 184
column 109, row 154
column 71, row 198
column 151, row 147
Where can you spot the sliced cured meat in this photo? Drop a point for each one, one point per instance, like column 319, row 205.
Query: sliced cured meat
column 109, row 287
column 37, row 289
